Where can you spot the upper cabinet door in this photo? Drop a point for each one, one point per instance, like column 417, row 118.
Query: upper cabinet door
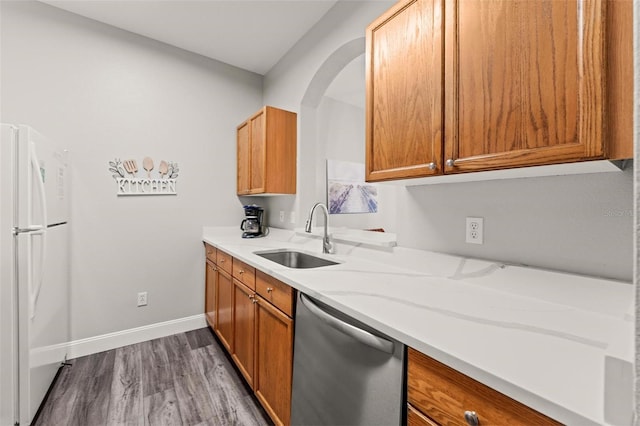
column 258, row 153
column 404, row 66
column 524, row 83
column 244, row 157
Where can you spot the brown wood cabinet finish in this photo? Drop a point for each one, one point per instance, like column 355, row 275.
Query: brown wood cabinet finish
column 244, row 158
column 224, row 261
column 522, row 87
column 210, row 293
column 499, row 84
column 244, row 273
column 275, row 292
column 244, row 317
column 416, row 418
column 404, row 54
column 267, row 153
column 274, row 361
column 210, row 252
column 443, row 394
column 224, row 309
column 256, row 331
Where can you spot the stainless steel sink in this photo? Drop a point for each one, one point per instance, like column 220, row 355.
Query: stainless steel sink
column 295, row 259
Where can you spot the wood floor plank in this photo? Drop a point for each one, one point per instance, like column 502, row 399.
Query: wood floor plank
column 62, row 397
column 127, row 407
column 200, row 337
column 179, row 354
column 156, row 374
column 230, row 400
column 92, row 404
column 161, row 382
column 193, row 399
column 161, row 409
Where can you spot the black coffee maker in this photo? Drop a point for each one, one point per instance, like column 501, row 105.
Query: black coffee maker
column 252, row 223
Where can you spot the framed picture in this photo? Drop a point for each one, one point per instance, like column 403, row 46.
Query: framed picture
column 347, row 192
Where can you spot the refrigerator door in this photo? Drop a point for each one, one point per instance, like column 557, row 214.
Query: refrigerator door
column 37, row 153
column 8, row 296
column 44, row 326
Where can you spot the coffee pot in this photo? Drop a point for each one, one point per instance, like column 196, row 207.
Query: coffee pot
column 252, row 223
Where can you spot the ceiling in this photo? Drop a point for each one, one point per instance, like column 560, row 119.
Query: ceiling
column 249, row 34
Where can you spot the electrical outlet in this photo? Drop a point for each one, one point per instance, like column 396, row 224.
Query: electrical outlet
column 475, row 230
column 142, row 298
column 281, row 216
column 292, row 217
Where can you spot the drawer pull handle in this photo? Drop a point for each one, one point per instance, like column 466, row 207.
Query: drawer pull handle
column 472, row 418
column 269, row 289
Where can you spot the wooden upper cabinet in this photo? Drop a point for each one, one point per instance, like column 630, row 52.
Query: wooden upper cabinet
column 525, row 83
column 404, row 59
column 465, row 85
column 244, row 158
column 267, row 153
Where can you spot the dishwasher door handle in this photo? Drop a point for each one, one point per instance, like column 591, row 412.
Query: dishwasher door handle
column 350, row 330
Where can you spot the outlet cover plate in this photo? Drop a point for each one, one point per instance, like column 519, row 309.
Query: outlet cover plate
column 474, row 233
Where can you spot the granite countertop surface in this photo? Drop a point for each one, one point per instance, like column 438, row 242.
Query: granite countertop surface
column 544, row 338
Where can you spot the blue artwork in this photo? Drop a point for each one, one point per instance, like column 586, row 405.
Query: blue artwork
column 347, row 192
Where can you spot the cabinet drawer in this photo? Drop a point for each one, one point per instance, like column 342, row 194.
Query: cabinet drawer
column 224, row 261
column 244, row 273
column 444, row 394
column 416, row 418
column 276, row 292
column 210, row 252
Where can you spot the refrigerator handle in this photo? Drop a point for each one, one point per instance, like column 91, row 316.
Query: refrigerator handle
column 35, row 164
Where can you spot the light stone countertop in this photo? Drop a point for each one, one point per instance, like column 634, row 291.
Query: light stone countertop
column 538, row 336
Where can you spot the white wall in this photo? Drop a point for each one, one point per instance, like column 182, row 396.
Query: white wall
column 286, row 85
column 341, row 137
column 107, row 93
column 581, row 224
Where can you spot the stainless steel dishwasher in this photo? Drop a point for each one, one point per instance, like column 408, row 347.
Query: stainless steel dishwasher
column 344, row 372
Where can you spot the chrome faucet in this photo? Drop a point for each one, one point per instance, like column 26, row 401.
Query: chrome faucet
column 327, row 245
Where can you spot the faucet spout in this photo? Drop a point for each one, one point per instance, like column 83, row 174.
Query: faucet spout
column 327, row 245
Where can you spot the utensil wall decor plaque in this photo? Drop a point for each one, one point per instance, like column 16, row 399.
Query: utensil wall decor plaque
column 152, row 182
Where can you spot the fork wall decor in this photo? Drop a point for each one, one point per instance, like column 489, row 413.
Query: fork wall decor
column 160, row 180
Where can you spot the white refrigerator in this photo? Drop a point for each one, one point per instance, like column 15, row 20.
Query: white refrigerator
column 34, row 269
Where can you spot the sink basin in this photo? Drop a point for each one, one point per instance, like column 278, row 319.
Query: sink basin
column 295, row 259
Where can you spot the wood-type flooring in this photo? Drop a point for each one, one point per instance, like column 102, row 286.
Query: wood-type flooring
column 184, row 379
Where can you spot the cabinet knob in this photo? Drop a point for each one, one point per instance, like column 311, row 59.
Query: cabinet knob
column 450, row 162
column 431, row 166
column 472, row 418
column 269, row 289
column 241, row 272
column 221, row 260
column 250, row 296
column 254, row 300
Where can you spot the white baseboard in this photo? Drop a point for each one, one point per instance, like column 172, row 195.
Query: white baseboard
column 105, row 342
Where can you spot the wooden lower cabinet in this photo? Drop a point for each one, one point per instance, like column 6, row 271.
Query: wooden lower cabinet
column 252, row 315
column 244, row 318
column 443, row 396
column 224, row 310
column 210, row 293
column 274, row 366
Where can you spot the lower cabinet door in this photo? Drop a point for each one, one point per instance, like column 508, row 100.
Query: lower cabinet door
column 224, row 310
column 210, row 294
column 274, row 361
column 244, row 330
